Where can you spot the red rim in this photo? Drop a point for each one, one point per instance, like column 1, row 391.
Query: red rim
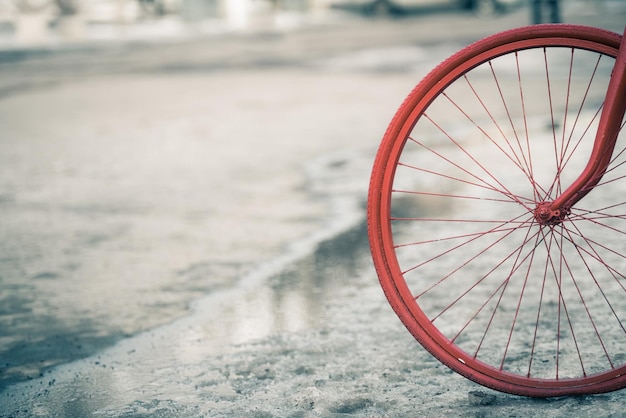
column 379, row 210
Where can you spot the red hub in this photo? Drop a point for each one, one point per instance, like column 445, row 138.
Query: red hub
column 545, row 215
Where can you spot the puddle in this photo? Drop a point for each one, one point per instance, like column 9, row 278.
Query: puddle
column 286, row 295
column 292, row 300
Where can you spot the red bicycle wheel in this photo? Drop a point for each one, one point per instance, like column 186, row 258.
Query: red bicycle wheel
column 500, row 127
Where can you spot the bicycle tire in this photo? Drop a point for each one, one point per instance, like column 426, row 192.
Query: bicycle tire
column 511, row 304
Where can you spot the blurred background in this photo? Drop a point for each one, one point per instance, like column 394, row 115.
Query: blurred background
column 37, row 21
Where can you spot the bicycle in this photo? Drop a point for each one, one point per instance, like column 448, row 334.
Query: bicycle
column 498, row 241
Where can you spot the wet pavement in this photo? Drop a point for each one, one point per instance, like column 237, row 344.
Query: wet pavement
column 179, row 216
column 121, row 240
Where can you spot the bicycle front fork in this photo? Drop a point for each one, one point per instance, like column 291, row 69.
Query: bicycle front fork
column 603, row 146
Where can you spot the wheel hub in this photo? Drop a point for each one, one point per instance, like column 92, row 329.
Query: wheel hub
column 545, row 215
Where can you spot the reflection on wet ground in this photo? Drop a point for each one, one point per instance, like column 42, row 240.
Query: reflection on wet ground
column 286, row 294
column 292, row 300
column 300, row 291
column 33, row 339
column 100, row 246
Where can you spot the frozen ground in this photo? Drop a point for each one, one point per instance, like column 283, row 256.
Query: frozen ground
column 357, row 361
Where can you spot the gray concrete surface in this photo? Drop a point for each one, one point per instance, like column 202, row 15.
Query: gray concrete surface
column 182, row 227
